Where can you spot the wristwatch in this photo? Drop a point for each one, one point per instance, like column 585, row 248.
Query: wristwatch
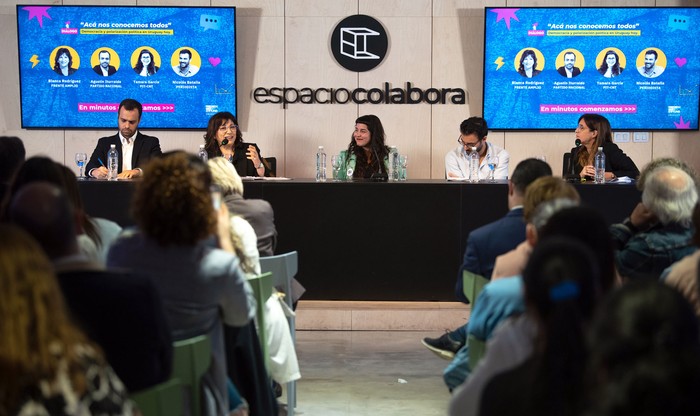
column 260, row 165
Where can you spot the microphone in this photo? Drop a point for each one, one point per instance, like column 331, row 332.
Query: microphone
column 224, row 142
column 380, row 176
column 571, row 175
column 577, row 142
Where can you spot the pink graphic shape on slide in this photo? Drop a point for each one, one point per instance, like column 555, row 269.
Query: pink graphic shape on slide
column 39, row 12
column 682, row 124
column 680, row 61
column 214, row 60
column 506, row 14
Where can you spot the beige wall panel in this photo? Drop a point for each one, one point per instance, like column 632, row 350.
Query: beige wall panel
column 395, row 8
column 543, row 3
column 684, row 146
column 10, row 118
column 551, row 145
column 618, row 3
column 640, row 153
column 195, row 3
column 50, row 143
column 466, row 8
column 254, row 8
column 320, row 8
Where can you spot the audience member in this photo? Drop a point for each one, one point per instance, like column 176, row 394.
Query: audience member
column 12, row 155
column 513, row 341
column 682, row 275
column 224, row 138
column 560, row 293
column 645, row 353
column 473, row 133
column 487, row 242
column 665, row 161
column 121, row 312
column 658, row 231
column 367, row 156
column 47, row 365
column 134, row 148
column 201, row 285
column 257, row 212
column 502, row 298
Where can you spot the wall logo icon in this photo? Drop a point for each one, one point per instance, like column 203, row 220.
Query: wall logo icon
column 359, row 43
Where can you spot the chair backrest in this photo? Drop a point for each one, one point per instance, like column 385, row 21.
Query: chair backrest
column 283, row 267
column 164, row 399
column 262, row 288
column 473, row 284
column 192, row 358
column 271, row 163
column 566, row 165
column 477, row 349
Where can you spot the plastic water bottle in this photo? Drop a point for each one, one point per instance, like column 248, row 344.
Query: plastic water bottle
column 394, row 164
column 203, row 153
column 474, row 165
column 112, row 163
column 320, row 165
column 599, row 164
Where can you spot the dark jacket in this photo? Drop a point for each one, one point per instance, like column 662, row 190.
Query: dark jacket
column 616, row 161
column 574, row 73
column 145, row 147
column 110, row 70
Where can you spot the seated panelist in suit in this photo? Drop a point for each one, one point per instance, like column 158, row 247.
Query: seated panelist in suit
column 134, row 148
column 594, row 131
column 224, row 138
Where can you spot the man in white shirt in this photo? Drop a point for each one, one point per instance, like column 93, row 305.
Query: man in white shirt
column 185, row 68
column 650, row 69
column 473, row 133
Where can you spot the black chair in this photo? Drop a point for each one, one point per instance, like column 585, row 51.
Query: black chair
column 271, row 163
column 567, row 165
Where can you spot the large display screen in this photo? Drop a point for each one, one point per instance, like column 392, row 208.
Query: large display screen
column 76, row 63
column 544, row 67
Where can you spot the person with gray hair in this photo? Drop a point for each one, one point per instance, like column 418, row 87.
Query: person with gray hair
column 658, row 231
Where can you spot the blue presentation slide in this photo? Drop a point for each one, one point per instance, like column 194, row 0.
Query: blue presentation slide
column 639, row 67
column 78, row 62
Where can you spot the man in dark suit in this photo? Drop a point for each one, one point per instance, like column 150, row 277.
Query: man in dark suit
column 104, row 68
column 569, row 70
column 137, row 147
column 488, row 242
column 121, row 312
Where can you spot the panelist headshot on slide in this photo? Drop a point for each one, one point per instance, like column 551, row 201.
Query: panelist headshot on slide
column 104, row 66
column 611, row 63
column 146, row 63
column 185, row 62
column 63, row 62
column 651, row 63
column 569, row 69
column 529, row 64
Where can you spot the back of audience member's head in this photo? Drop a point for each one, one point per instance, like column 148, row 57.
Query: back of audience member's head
column 70, row 182
column 560, row 293
column 36, row 168
column 527, row 171
column 544, row 189
column 588, row 226
column 665, row 161
column 645, row 353
column 172, row 204
column 12, row 155
column 670, row 194
column 225, row 176
column 36, row 335
column 696, row 223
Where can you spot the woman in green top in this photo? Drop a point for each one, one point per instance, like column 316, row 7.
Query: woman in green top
column 361, row 159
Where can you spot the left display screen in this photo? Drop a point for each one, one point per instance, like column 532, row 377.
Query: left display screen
column 76, row 63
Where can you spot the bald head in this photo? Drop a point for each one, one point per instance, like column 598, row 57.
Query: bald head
column 43, row 210
column 670, row 193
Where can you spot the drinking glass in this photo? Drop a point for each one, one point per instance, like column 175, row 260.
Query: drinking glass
column 335, row 163
column 492, row 162
column 403, row 162
column 80, row 159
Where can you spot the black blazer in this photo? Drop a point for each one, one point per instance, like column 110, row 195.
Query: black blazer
column 145, row 147
column 243, row 165
column 110, row 70
column 574, row 73
column 616, row 161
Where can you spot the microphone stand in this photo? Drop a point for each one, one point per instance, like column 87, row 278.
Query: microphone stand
column 380, row 176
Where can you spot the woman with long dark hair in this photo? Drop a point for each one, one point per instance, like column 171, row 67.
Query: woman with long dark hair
column 528, row 64
column 366, row 156
column 610, row 67
column 145, row 66
column 63, row 62
column 224, row 138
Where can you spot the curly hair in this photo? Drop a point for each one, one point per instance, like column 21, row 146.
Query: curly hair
column 363, row 166
column 216, row 121
column 173, row 204
column 36, row 333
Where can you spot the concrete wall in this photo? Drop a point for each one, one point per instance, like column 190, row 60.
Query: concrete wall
column 433, row 43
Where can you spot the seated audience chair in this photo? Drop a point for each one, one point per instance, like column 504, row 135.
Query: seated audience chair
column 473, row 285
column 262, row 288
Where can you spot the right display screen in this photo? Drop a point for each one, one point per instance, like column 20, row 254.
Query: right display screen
column 639, row 67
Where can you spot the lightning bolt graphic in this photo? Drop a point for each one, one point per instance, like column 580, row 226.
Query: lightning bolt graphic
column 498, row 62
column 34, row 60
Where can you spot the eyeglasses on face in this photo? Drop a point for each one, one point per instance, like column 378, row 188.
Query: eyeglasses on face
column 463, row 143
column 232, row 127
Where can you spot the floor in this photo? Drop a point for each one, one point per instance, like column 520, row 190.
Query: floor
column 382, row 373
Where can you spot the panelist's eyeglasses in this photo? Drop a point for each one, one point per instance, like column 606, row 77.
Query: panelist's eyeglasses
column 232, row 127
column 470, row 145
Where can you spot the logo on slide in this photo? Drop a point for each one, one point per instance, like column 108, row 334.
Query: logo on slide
column 359, row 43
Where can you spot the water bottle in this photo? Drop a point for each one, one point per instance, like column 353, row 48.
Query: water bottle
column 203, row 153
column 394, row 164
column 320, row 165
column 599, row 165
column 474, row 165
column 112, row 163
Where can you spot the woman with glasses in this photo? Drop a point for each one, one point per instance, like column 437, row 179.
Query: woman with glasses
column 473, row 132
column 224, row 138
column 594, row 131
